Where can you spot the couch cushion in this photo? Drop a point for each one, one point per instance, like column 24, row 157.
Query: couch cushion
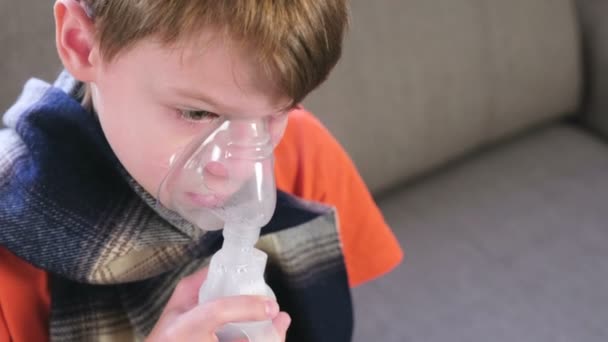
column 509, row 245
column 422, row 82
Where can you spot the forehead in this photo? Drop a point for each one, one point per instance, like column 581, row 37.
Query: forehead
column 221, row 69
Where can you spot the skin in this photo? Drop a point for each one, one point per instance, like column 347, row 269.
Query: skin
column 152, row 100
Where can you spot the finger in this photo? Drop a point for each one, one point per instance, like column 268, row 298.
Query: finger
column 209, row 317
column 185, row 295
column 281, row 323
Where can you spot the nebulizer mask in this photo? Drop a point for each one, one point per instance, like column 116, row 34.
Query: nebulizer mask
column 225, row 179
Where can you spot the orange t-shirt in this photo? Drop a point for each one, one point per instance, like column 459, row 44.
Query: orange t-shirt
column 310, row 164
column 24, row 300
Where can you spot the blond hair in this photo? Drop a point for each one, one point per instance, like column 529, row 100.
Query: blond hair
column 297, row 42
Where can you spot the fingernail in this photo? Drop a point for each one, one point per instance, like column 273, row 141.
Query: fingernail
column 272, row 308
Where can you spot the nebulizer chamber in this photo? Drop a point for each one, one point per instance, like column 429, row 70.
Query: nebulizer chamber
column 225, row 179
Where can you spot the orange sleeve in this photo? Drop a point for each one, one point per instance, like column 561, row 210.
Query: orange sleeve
column 24, row 300
column 311, row 164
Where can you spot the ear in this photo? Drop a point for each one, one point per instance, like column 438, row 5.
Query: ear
column 75, row 40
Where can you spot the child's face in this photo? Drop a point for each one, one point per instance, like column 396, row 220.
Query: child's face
column 153, row 100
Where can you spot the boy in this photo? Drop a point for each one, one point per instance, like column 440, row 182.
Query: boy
column 84, row 250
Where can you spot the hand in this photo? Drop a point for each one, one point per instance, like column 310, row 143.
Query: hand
column 184, row 320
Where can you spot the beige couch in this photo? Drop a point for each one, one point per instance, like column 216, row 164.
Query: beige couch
column 478, row 125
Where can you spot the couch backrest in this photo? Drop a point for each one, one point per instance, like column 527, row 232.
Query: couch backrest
column 594, row 25
column 422, row 82
column 27, row 40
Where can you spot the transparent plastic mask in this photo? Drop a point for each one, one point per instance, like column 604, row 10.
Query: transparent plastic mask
column 225, row 175
column 225, row 179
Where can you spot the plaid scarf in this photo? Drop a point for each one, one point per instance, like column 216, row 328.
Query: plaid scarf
column 67, row 206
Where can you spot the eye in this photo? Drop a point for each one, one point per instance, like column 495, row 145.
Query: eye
column 197, row 115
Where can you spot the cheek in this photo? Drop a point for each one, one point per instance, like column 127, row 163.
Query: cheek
column 139, row 132
column 277, row 127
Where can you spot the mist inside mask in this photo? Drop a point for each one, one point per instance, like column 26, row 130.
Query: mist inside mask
column 225, row 179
